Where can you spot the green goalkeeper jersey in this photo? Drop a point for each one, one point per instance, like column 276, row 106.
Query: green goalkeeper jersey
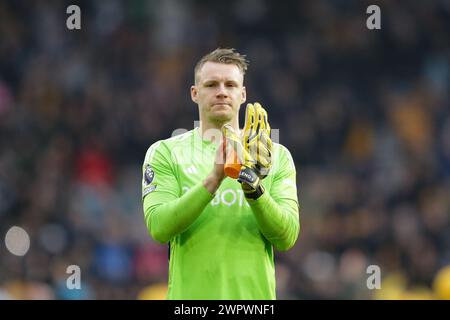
column 221, row 245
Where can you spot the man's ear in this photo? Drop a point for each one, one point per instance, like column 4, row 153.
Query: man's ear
column 194, row 93
column 244, row 95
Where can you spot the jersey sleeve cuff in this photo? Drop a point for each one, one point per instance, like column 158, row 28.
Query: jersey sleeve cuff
column 260, row 201
column 203, row 193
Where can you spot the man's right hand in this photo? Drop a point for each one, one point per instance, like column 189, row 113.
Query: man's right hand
column 215, row 178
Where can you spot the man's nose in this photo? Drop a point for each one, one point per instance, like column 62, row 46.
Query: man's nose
column 222, row 91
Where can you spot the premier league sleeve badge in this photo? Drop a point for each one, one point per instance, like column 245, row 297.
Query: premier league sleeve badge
column 149, row 175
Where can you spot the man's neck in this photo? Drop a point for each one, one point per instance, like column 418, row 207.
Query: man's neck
column 212, row 131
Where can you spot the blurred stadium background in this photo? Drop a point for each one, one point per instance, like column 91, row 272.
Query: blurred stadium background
column 365, row 114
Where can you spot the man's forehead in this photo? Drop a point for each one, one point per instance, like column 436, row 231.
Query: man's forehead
column 220, row 71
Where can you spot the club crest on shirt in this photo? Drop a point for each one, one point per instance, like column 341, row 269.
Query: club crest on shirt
column 149, row 174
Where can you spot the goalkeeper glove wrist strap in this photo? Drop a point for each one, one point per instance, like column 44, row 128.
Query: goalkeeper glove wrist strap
column 249, row 177
column 254, row 193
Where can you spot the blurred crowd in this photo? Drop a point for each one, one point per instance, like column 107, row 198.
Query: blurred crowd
column 365, row 114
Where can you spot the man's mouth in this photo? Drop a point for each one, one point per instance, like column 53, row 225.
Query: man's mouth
column 221, row 104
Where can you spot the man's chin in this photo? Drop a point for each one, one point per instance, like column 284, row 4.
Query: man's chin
column 221, row 117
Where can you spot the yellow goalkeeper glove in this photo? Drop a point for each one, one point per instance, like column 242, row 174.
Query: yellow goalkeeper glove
column 253, row 148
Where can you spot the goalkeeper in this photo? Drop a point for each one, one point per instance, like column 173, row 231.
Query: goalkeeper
column 221, row 230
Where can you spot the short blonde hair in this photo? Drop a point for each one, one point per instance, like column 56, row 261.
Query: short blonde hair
column 223, row 55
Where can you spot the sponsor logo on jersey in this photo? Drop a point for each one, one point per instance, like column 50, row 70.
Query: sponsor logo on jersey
column 226, row 197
